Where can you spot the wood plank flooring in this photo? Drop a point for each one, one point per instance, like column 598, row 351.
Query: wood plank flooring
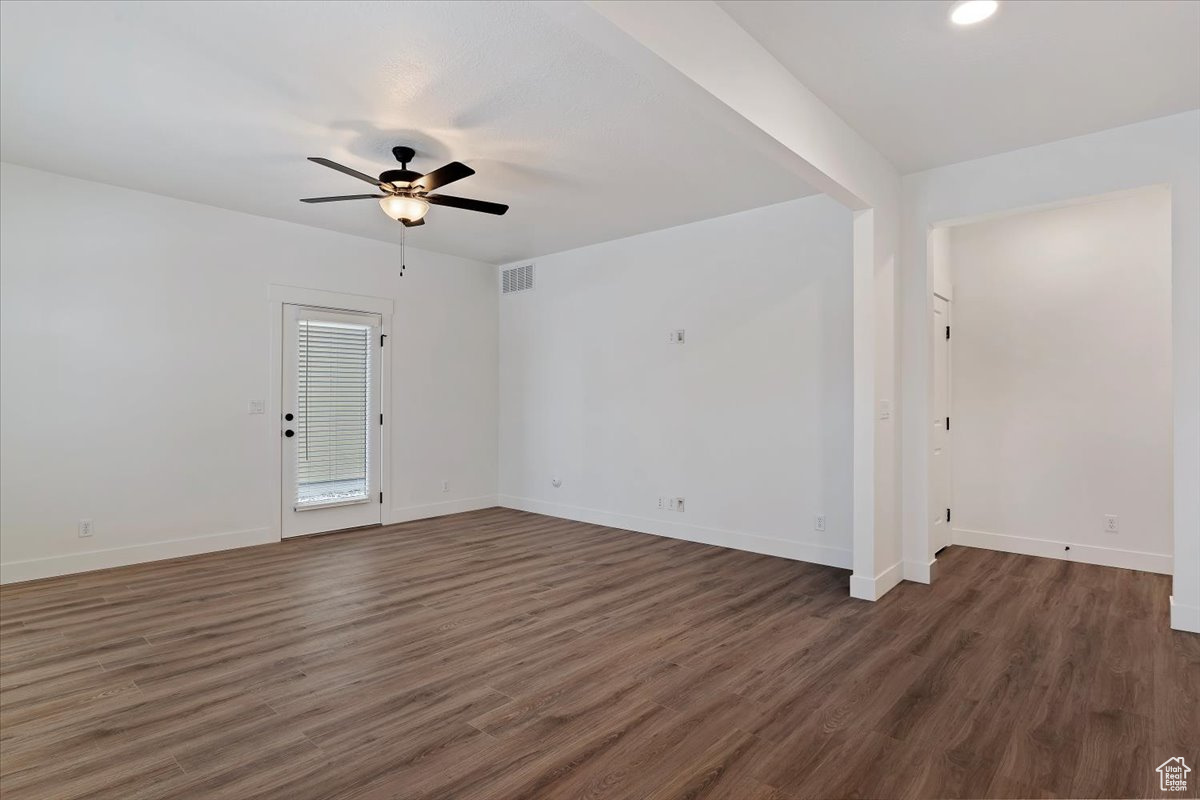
column 500, row 654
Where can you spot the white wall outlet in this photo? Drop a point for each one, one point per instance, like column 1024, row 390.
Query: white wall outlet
column 676, row 336
column 85, row 528
column 256, row 407
column 819, row 522
column 885, row 409
column 1112, row 523
column 445, row 486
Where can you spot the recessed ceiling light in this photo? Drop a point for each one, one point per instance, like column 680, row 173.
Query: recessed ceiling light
column 969, row 12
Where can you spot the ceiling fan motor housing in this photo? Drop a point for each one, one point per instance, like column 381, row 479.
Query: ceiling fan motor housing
column 399, row 176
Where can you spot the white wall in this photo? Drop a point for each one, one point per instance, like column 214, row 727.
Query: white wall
column 135, row 331
column 809, row 138
column 1061, row 381
column 749, row 419
column 1163, row 151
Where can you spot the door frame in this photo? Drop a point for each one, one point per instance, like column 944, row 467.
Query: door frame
column 278, row 297
column 949, row 344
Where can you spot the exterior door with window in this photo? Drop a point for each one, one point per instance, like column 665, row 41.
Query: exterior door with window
column 331, row 427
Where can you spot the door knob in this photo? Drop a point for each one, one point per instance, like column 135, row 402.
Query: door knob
column 289, row 416
column 289, row 433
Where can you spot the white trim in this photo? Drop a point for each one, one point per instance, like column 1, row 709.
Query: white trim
column 71, row 563
column 1184, row 618
column 919, row 572
column 864, row 480
column 277, row 296
column 736, row 540
column 865, row 588
column 409, row 513
column 1049, row 548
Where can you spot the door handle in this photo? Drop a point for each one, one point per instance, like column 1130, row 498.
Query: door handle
column 289, row 433
column 289, row 416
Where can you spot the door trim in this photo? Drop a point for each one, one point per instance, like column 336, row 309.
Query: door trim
column 278, row 296
column 948, row 538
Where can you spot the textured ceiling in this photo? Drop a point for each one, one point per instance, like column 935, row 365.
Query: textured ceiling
column 927, row 93
column 220, row 103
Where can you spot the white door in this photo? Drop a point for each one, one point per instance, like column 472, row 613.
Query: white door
column 940, row 512
column 331, row 425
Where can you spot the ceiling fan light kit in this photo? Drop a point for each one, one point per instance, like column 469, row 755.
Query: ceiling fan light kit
column 403, row 208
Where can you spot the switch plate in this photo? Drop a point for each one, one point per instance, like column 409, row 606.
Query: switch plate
column 85, row 528
column 255, row 407
column 445, row 486
column 1112, row 523
column 819, row 523
column 885, row 409
column 676, row 336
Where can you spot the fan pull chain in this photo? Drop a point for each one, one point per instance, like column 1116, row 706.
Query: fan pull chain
column 403, row 247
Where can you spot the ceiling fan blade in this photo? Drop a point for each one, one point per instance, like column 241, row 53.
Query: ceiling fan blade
column 466, row 203
column 353, row 173
column 454, row 171
column 341, row 197
column 414, row 223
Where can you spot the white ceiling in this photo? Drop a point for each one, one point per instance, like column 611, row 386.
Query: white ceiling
column 927, row 93
column 220, row 103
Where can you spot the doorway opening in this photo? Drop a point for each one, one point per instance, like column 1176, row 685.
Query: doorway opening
column 1052, row 403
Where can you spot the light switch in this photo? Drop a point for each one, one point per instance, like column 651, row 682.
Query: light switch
column 256, row 407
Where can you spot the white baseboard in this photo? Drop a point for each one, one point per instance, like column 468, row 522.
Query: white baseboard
column 867, row 588
column 69, row 564
column 409, row 513
column 919, row 572
column 1184, row 618
column 1083, row 553
column 736, row 540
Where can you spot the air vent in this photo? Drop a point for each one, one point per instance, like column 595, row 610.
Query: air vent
column 516, row 279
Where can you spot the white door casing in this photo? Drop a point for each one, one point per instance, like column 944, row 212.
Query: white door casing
column 941, row 505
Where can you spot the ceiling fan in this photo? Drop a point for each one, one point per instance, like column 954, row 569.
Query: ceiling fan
column 406, row 193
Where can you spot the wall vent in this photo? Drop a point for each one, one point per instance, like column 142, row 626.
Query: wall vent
column 516, row 279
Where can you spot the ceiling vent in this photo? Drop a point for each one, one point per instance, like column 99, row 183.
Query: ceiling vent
column 516, row 279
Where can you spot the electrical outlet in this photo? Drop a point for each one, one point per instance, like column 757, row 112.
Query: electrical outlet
column 85, row 528
column 819, row 523
column 445, row 486
column 1112, row 523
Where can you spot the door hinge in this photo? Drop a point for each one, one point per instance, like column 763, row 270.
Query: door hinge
column 381, row 419
column 947, row 423
column 947, row 515
column 947, row 331
column 381, row 497
column 383, row 336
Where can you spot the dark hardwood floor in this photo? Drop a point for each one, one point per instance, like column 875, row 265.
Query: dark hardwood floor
column 500, row 654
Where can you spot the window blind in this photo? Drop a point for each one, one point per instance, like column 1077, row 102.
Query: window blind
column 332, row 408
